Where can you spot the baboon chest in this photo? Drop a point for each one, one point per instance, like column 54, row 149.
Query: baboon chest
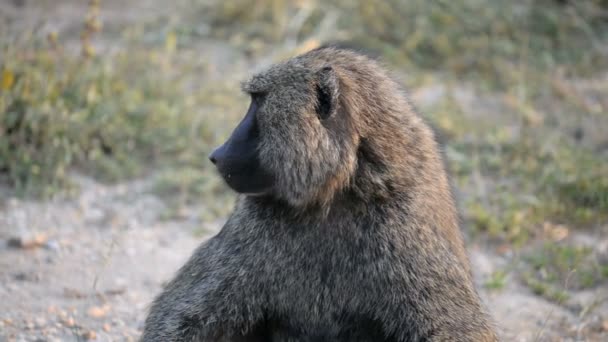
column 321, row 291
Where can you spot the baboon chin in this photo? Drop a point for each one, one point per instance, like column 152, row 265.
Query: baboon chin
column 345, row 228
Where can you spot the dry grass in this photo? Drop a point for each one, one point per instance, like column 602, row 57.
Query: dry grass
column 526, row 153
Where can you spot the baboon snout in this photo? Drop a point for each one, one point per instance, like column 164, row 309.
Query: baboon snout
column 215, row 155
column 237, row 160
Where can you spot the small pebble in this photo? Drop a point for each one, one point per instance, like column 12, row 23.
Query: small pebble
column 40, row 322
column 21, row 276
column 28, row 241
column 68, row 322
column 98, row 311
column 52, row 245
column 90, row 335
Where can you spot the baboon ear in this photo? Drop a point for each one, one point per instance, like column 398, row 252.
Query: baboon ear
column 327, row 92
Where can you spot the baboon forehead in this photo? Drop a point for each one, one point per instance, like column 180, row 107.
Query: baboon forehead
column 290, row 74
column 299, row 72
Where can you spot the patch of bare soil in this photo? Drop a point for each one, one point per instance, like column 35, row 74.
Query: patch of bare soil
column 88, row 267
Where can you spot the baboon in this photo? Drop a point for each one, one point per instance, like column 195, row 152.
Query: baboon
column 345, row 228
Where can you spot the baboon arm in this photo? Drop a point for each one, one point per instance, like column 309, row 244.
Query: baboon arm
column 199, row 303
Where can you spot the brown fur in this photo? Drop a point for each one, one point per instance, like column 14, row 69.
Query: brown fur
column 359, row 239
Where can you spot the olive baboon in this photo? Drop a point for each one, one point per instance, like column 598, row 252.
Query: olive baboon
column 345, row 229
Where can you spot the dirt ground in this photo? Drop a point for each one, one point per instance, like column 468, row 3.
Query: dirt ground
column 86, row 268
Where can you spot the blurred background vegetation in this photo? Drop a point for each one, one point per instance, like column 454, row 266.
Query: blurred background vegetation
column 518, row 91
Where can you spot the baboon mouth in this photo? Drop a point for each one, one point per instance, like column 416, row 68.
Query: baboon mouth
column 247, row 182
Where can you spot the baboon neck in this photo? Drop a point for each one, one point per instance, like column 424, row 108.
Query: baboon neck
column 334, row 215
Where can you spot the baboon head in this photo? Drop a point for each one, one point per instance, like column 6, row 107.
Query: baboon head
column 299, row 139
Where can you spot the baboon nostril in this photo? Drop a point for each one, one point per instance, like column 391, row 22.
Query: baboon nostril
column 217, row 155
